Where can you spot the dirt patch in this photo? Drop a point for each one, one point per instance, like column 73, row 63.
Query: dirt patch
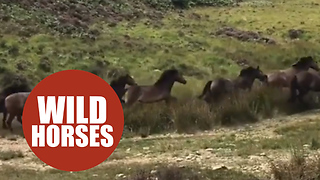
column 246, row 36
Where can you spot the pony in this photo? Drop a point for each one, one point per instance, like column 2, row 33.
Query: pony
column 14, row 104
column 214, row 90
column 5, row 92
column 119, row 85
column 302, row 83
column 159, row 91
column 283, row 78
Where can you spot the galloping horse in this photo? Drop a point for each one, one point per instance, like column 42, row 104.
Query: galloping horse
column 14, row 104
column 302, row 83
column 159, row 91
column 283, row 78
column 119, row 84
column 214, row 90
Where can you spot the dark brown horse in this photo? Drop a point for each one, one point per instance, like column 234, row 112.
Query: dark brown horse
column 119, row 85
column 13, row 88
column 14, row 105
column 159, row 91
column 302, row 83
column 215, row 90
column 283, row 78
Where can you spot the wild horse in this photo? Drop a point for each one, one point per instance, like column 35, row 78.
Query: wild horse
column 302, row 83
column 14, row 104
column 284, row 77
column 119, row 85
column 215, row 90
column 159, row 91
column 10, row 89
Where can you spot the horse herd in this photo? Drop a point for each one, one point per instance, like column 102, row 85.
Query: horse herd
column 301, row 77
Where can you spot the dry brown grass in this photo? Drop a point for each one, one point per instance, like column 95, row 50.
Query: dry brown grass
column 297, row 168
column 190, row 115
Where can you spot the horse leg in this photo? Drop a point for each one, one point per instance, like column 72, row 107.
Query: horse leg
column 131, row 100
column 133, row 96
column 208, row 99
column 170, row 100
column 293, row 95
column 19, row 118
column 9, row 121
column 294, row 87
column 4, row 125
column 301, row 94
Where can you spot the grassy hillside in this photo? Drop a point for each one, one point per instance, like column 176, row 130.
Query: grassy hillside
column 202, row 38
column 42, row 37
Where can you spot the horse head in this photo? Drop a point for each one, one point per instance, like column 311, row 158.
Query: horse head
column 129, row 80
column 254, row 73
column 307, row 62
column 173, row 74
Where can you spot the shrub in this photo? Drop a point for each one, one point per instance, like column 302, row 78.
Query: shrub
column 172, row 172
column 166, row 173
column 192, row 115
column 148, row 119
column 8, row 155
column 298, row 167
column 212, row 2
column 45, row 64
column 183, row 4
column 12, row 82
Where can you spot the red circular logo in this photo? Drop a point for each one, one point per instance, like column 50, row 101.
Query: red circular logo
column 73, row 120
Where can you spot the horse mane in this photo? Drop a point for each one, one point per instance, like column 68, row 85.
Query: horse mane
column 303, row 61
column 246, row 71
column 165, row 75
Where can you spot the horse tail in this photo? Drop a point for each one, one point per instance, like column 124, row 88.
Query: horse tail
column 294, row 86
column 205, row 89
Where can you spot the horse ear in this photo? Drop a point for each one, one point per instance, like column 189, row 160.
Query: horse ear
column 258, row 67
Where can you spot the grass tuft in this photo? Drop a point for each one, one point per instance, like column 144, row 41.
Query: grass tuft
column 298, row 167
column 8, row 155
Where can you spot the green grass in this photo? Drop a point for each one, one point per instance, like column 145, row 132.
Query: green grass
column 36, row 42
column 124, row 170
column 186, row 42
column 230, row 144
column 303, row 133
